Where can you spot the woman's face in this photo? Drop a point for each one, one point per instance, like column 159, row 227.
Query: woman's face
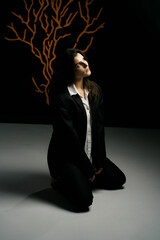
column 81, row 66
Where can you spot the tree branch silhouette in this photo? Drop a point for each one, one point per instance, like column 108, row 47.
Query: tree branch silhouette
column 42, row 32
column 89, row 23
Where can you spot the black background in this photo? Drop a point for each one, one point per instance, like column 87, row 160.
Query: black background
column 124, row 59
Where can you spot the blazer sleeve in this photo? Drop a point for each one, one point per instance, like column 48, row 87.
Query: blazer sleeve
column 99, row 149
column 63, row 123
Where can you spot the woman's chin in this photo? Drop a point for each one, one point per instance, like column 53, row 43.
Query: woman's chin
column 88, row 73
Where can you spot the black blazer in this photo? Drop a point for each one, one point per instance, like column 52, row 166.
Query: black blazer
column 69, row 133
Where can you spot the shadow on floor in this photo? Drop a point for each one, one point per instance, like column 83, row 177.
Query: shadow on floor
column 30, row 183
column 56, row 198
column 22, row 182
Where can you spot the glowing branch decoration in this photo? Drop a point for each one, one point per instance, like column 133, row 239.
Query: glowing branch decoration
column 41, row 29
column 89, row 23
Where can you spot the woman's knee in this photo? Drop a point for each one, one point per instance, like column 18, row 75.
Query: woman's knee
column 111, row 177
column 86, row 200
column 77, row 187
column 123, row 179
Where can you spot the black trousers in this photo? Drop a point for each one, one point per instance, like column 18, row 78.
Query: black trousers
column 78, row 189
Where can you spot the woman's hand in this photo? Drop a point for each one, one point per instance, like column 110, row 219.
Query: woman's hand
column 98, row 170
column 92, row 178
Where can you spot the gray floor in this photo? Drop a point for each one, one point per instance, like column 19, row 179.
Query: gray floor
column 30, row 210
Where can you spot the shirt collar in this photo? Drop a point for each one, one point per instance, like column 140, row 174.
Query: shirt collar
column 73, row 90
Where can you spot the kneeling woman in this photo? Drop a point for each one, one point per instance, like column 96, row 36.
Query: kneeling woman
column 77, row 156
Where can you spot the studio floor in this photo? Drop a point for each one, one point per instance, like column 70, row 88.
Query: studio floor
column 31, row 210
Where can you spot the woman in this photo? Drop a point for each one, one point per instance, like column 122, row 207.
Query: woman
column 77, row 156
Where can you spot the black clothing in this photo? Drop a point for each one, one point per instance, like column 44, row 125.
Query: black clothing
column 76, row 187
column 69, row 134
column 67, row 160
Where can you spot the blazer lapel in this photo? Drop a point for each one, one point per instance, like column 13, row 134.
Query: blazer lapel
column 78, row 101
column 92, row 109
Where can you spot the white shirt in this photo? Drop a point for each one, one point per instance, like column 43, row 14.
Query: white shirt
column 88, row 143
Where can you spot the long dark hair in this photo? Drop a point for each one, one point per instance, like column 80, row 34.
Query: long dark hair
column 64, row 73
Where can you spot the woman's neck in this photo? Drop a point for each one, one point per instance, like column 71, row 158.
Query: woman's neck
column 80, row 88
column 79, row 83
